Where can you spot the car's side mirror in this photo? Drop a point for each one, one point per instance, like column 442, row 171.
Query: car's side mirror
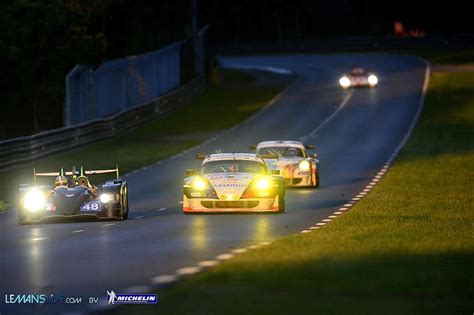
column 275, row 172
column 190, row 172
column 253, row 147
column 315, row 155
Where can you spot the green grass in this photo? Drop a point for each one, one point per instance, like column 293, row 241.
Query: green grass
column 407, row 248
column 231, row 99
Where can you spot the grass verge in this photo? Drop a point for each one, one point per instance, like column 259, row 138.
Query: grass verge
column 407, row 248
column 223, row 104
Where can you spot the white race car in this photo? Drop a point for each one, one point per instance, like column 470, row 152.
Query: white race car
column 358, row 78
column 233, row 182
column 299, row 168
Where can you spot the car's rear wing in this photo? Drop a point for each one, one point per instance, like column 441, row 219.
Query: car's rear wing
column 74, row 172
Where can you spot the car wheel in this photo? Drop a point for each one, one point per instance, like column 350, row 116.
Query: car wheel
column 281, row 203
column 125, row 204
column 317, row 180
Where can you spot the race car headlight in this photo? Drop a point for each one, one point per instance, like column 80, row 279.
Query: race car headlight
column 106, row 198
column 304, row 165
column 345, row 81
column 373, row 79
column 263, row 184
column 199, row 184
column 34, row 200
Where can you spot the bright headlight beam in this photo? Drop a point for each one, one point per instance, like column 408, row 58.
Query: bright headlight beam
column 373, row 79
column 199, row 184
column 304, row 165
column 263, row 184
column 34, row 200
column 105, row 198
column 345, row 82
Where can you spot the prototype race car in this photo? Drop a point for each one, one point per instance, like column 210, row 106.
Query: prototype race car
column 233, row 182
column 73, row 196
column 358, row 78
column 299, row 168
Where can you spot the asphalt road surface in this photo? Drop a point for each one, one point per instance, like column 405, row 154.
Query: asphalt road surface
column 354, row 131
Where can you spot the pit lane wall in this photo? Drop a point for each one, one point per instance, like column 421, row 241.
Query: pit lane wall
column 14, row 152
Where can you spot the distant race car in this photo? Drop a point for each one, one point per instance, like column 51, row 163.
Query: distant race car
column 73, row 196
column 296, row 165
column 358, row 77
column 233, row 182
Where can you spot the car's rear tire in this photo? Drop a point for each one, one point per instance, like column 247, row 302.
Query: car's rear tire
column 281, row 203
column 125, row 205
column 316, row 185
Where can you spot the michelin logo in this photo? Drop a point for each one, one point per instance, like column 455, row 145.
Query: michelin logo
column 114, row 298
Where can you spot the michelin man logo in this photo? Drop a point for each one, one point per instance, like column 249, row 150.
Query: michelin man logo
column 112, row 296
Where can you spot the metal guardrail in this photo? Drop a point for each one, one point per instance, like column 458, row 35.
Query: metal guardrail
column 16, row 151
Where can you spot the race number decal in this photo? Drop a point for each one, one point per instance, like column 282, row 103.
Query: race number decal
column 91, row 206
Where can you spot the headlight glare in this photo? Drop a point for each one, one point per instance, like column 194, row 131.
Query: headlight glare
column 105, row 198
column 263, row 184
column 304, row 165
column 373, row 79
column 34, row 200
column 345, row 82
column 199, row 184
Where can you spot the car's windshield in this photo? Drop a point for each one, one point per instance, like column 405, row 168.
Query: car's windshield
column 233, row 166
column 281, row 152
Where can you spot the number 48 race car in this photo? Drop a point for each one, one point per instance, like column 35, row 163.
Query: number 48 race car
column 233, row 182
column 73, row 196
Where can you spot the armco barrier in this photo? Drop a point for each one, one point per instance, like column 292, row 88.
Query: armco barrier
column 26, row 149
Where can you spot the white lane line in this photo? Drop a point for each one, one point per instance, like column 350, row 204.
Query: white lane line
column 254, row 246
column 338, row 109
column 239, row 250
column 139, row 217
column 224, row 256
column 343, row 208
column 109, row 224
column 164, row 279
column 361, row 195
column 366, row 190
column 305, row 231
column 356, row 198
column 320, row 223
column 188, row 271
column 77, row 231
column 180, row 202
column 208, row 263
column 36, row 239
column 314, row 228
column 375, row 180
column 348, row 205
column 332, row 216
column 266, row 243
column 338, row 212
column 326, row 220
column 162, row 209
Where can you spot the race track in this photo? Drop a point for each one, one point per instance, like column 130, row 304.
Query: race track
column 354, row 131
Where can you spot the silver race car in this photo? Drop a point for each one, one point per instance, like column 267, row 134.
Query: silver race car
column 233, row 182
column 299, row 168
column 358, row 77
